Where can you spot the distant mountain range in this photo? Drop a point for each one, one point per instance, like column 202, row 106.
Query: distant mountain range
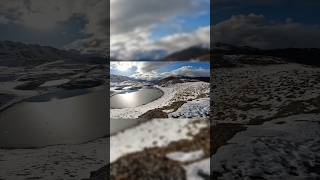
column 181, row 79
column 160, row 81
column 309, row 56
column 118, row 78
column 20, row 54
column 191, row 53
column 198, row 52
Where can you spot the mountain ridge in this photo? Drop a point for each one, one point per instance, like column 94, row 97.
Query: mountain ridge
column 308, row 56
column 194, row 52
column 20, row 54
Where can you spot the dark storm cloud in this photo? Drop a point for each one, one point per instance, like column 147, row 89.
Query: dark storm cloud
column 267, row 2
column 267, row 24
column 256, row 31
column 49, row 15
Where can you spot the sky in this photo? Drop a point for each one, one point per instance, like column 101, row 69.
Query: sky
column 267, row 24
column 64, row 24
column 139, row 29
column 151, row 29
column 151, row 70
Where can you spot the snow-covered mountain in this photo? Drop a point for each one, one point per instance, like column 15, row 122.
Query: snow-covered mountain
column 20, row 54
column 118, row 78
column 160, row 81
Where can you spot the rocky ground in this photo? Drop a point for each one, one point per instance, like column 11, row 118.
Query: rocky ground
column 273, row 110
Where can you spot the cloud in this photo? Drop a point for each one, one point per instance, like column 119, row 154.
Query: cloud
column 141, row 67
column 146, row 76
column 188, row 71
column 4, row 20
column 256, row 31
column 128, row 47
column 151, row 70
column 296, row 3
column 96, row 45
column 180, row 41
column 141, row 15
column 132, row 24
column 45, row 15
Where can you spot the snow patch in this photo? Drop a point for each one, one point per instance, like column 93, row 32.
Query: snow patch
column 186, row 156
column 55, row 82
column 155, row 133
column 194, row 108
column 194, row 170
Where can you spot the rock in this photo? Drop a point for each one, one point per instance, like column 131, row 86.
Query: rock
column 29, row 85
column 143, row 166
column 81, row 84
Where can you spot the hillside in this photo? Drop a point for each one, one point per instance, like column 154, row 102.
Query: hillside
column 15, row 54
column 276, row 108
column 181, row 79
column 118, row 78
column 308, row 56
column 194, row 52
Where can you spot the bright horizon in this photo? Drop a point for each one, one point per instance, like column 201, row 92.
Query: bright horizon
column 150, row 70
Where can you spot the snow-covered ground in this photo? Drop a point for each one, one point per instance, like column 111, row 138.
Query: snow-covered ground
column 54, row 162
column 155, row 133
column 195, row 170
column 284, row 148
column 197, row 164
column 183, row 124
column 195, row 108
column 77, row 161
column 173, row 93
column 186, row 156
column 260, row 92
column 54, row 82
column 279, row 106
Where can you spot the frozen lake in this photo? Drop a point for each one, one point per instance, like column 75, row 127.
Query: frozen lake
column 66, row 117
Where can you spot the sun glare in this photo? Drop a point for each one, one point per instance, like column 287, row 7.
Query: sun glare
column 124, row 66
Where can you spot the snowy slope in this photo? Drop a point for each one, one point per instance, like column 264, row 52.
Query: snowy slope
column 279, row 106
column 155, row 133
column 191, row 109
column 72, row 162
column 177, row 92
column 285, row 148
